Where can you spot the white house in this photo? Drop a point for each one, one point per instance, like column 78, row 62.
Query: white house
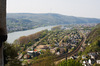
column 98, row 61
column 58, row 53
column 89, row 61
column 84, row 63
column 83, row 57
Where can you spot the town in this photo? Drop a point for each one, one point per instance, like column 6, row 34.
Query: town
column 58, row 41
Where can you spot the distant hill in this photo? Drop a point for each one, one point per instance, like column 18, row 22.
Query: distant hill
column 24, row 21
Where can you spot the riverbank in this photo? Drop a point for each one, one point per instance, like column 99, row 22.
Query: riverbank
column 15, row 35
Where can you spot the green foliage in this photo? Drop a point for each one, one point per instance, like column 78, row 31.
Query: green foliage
column 93, row 47
column 56, row 27
column 27, row 41
column 58, row 49
column 54, row 37
column 94, row 40
column 24, row 52
column 70, row 62
column 63, row 63
column 79, row 53
column 14, row 62
column 48, row 61
column 52, row 45
column 35, row 58
column 45, row 59
column 10, row 54
column 96, row 64
column 65, row 39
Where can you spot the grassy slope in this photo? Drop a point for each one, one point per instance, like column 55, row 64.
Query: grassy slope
column 94, row 40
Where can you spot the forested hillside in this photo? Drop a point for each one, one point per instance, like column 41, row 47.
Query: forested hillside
column 93, row 40
column 24, row 21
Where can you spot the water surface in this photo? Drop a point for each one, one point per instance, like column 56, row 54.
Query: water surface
column 15, row 35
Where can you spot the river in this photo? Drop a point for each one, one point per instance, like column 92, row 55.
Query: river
column 15, row 35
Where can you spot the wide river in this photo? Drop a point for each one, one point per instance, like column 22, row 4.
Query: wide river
column 15, row 35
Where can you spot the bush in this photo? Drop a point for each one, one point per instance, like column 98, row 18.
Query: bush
column 10, row 54
column 70, row 62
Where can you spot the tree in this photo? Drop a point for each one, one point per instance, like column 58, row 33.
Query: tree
column 10, row 54
column 70, row 62
column 58, row 49
column 24, row 52
column 96, row 64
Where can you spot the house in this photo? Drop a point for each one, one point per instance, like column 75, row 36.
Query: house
column 98, row 61
column 72, row 57
column 92, row 55
column 76, row 57
column 29, row 57
column 91, row 61
column 58, row 53
column 21, row 60
column 73, row 45
column 25, row 56
column 88, row 43
column 33, row 53
column 57, row 45
column 52, row 51
column 65, row 44
column 83, row 57
column 42, row 47
column 82, row 49
column 30, row 53
column 84, row 63
column 62, row 50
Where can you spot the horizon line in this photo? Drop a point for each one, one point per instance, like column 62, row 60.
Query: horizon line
column 51, row 13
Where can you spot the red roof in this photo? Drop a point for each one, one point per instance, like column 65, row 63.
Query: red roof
column 35, row 50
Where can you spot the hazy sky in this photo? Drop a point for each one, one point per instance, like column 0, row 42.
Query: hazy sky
column 80, row 8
